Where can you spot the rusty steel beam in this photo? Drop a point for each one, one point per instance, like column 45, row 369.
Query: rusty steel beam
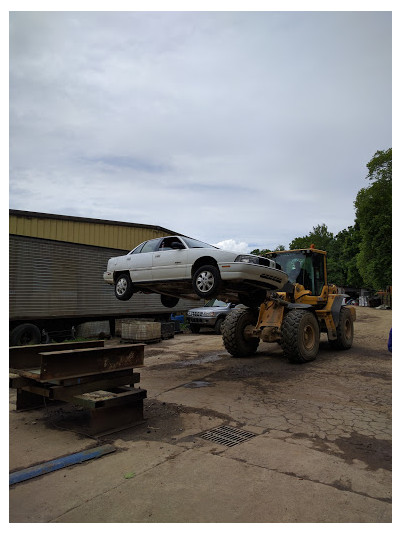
column 82, row 362
column 121, row 396
column 69, row 393
column 106, row 420
column 29, row 356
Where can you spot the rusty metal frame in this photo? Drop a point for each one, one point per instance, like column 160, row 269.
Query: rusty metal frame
column 74, row 363
column 99, row 379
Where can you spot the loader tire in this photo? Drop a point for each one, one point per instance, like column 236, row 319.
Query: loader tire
column 344, row 331
column 233, row 333
column 300, row 336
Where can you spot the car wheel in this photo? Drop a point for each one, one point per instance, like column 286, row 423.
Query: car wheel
column 168, row 301
column 206, row 281
column 123, row 288
column 218, row 325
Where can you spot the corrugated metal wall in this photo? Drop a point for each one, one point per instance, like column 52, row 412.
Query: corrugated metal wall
column 52, row 279
column 98, row 232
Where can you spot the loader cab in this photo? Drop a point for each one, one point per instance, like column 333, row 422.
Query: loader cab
column 303, row 266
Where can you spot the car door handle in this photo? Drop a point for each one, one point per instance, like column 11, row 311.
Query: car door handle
column 157, row 256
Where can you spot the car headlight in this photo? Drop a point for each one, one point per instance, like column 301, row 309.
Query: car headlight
column 248, row 259
column 209, row 314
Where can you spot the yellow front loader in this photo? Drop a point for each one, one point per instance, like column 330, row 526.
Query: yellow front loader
column 295, row 316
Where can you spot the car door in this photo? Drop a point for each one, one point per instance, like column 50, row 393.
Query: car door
column 170, row 263
column 140, row 263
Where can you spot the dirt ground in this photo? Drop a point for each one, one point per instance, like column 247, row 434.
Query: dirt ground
column 320, row 447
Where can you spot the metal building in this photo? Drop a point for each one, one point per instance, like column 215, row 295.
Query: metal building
column 56, row 273
column 98, row 232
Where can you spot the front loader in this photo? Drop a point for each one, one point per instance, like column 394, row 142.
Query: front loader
column 294, row 317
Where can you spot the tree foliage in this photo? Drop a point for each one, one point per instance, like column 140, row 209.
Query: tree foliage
column 263, row 252
column 320, row 237
column 342, row 258
column 374, row 216
column 361, row 255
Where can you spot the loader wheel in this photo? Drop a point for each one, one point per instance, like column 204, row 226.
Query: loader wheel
column 300, row 336
column 236, row 341
column 344, row 331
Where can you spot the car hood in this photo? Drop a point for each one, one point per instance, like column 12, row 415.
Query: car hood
column 208, row 309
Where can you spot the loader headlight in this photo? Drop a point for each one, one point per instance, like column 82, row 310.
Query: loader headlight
column 248, row 259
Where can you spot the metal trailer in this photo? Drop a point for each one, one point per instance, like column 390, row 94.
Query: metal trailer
column 56, row 286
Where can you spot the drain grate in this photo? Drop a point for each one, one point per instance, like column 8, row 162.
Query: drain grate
column 227, row 436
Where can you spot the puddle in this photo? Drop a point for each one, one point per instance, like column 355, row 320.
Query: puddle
column 197, row 384
column 208, row 357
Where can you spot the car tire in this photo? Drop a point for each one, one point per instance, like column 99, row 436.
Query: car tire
column 195, row 328
column 123, row 288
column 168, row 301
column 206, row 281
column 218, row 325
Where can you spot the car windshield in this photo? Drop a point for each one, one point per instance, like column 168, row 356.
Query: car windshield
column 196, row 244
column 215, row 303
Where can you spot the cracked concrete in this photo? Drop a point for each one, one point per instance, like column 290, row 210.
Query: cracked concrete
column 321, row 450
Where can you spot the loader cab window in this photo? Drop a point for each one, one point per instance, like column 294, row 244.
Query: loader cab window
column 318, row 266
column 303, row 267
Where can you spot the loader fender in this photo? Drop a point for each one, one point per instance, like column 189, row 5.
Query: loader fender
column 336, row 307
column 298, row 305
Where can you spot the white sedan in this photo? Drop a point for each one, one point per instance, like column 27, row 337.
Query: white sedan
column 178, row 266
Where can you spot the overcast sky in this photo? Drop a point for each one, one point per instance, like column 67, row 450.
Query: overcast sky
column 252, row 127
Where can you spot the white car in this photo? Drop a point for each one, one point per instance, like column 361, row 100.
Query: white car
column 178, row 266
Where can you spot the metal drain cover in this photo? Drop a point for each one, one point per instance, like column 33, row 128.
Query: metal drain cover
column 227, row 436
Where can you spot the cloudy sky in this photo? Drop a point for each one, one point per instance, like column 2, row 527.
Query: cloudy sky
column 239, row 128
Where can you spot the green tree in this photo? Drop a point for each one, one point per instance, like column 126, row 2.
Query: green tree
column 374, row 216
column 263, row 252
column 319, row 236
column 342, row 258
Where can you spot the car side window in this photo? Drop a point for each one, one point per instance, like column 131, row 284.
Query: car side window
column 138, row 249
column 150, row 246
column 167, row 244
